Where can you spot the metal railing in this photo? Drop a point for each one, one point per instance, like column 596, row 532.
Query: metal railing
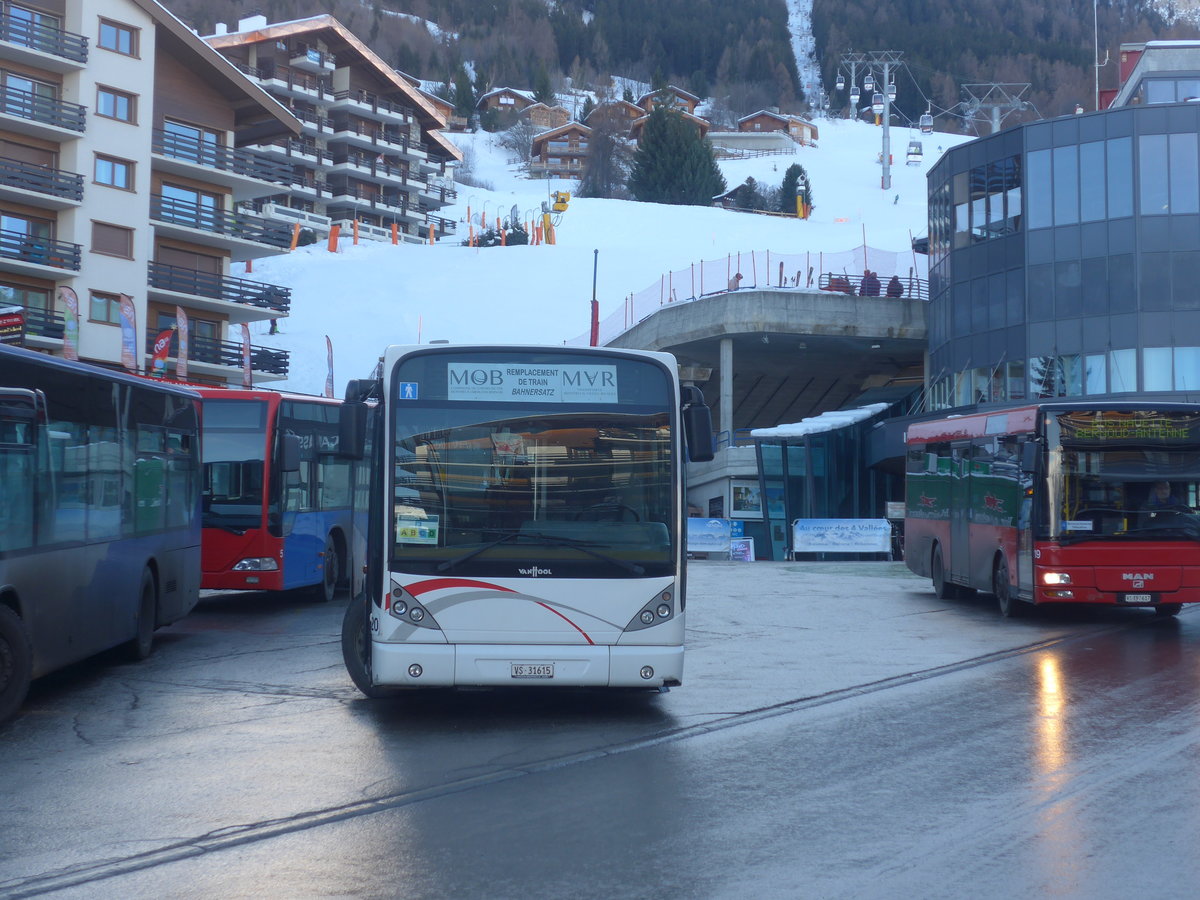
column 227, row 353
column 47, row 110
column 911, row 288
column 42, row 179
column 44, row 323
column 375, row 103
column 42, row 37
column 220, row 287
column 44, row 251
column 204, row 218
column 249, row 163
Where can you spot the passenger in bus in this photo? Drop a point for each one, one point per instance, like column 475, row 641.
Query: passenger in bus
column 1161, row 497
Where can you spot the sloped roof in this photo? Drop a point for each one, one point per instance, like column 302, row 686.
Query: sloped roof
column 344, row 41
column 672, row 89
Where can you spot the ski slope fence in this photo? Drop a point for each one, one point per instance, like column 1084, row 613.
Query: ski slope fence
column 765, row 270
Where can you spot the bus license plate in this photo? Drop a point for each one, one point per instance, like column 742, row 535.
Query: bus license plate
column 1138, row 598
column 533, row 670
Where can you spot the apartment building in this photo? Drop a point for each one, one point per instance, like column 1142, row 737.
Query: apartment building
column 120, row 183
column 371, row 155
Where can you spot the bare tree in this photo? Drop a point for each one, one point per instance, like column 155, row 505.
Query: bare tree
column 518, row 140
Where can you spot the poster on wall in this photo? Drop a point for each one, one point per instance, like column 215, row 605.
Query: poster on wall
column 742, row 549
column 841, row 536
column 747, row 502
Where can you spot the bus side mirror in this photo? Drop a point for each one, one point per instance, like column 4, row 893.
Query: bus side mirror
column 1029, row 456
column 697, row 424
column 289, row 453
column 352, row 430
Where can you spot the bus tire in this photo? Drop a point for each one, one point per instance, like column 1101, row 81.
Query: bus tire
column 16, row 663
column 942, row 588
column 142, row 642
column 325, row 589
column 1167, row 610
column 356, row 647
column 1010, row 606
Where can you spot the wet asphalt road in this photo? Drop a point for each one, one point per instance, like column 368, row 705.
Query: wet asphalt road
column 840, row 733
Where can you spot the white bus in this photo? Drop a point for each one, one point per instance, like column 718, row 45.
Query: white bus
column 527, row 525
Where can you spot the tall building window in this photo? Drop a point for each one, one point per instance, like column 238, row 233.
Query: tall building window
column 114, row 172
column 105, row 307
column 114, row 104
column 118, row 38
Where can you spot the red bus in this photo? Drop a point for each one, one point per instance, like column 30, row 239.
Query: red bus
column 1058, row 502
column 282, row 508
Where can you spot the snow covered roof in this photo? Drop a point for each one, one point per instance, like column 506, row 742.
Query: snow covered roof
column 826, row 421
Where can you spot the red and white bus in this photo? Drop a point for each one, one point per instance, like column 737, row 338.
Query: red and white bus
column 279, row 499
column 1057, row 502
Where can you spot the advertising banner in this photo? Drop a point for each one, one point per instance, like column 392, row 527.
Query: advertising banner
column 329, row 367
column 841, row 536
column 708, row 535
column 70, row 302
column 162, row 348
column 128, row 334
column 181, row 360
column 12, row 325
column 247, row 378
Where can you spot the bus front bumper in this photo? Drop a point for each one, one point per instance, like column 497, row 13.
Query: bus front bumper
column 493, row 665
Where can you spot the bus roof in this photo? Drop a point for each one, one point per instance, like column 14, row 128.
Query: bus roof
column 84, row 368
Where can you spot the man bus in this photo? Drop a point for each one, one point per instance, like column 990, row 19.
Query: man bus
column 1059, row 502
column 527, row 525
column 280, row 501
column 99, row 514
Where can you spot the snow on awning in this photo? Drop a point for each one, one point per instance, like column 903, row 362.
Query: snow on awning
column 826, row 421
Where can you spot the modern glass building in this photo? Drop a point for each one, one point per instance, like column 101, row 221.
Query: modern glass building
column 1064, row 255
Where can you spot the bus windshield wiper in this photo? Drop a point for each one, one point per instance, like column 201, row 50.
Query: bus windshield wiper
column 555, row 539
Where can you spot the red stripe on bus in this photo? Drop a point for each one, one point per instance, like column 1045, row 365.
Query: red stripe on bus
column 568, row 621
column 437, row 584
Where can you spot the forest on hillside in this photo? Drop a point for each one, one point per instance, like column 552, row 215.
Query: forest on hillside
column 740, row 53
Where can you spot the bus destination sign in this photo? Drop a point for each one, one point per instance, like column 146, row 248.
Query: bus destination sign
column 510, row 383
column 1118, row 426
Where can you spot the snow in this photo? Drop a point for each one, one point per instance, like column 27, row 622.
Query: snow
column 373, row 294
column 826, row 421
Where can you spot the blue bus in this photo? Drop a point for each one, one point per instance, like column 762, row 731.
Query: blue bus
column 99, row 514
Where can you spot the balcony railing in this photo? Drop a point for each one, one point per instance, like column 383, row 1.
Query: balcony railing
column 375, row 103
column 214, row 156
column 45, row 38
column 47, row 110
column 44, row 323
column 220, row 287
column 227, row 353
column 193, row 215
column 443, row 225
column 44, row 251
column 42, row 179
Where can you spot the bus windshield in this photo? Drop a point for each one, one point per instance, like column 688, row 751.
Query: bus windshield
column 548, row 488
column 235, row 446
column 1129, row 475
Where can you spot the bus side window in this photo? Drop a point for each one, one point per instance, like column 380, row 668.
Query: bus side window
column 16, row 487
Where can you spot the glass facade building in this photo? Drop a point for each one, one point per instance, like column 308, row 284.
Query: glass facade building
column 1064, row 258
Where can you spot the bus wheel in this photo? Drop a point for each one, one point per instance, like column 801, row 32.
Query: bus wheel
column 1010, row 606
column 1166, row 610
column 356, row 646
column 942, row 588
column 142, row 643
column 324, row 590
column 16, row 663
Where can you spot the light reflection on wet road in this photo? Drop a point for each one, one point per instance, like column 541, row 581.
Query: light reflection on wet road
column 1068, row 768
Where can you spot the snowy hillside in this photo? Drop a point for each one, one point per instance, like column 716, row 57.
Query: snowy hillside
column 374, row 294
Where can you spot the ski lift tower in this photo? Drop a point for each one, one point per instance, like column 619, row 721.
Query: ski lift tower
column 994, row 99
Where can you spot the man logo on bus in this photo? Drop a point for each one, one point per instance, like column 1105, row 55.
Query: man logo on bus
column 927, row 501
column 994, row 503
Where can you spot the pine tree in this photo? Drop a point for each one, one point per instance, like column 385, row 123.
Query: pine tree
column 673, row 164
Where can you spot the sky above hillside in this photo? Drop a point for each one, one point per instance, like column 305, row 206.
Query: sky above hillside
column 368, row 296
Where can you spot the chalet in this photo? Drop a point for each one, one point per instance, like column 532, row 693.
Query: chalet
column 545, row 117
column 505, row 99
column 674, row 97
column 560, row 152
column 799, row 130
column 454, row 122
column 621, row 113
column 635, row 128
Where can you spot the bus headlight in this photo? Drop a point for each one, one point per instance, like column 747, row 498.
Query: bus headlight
column 664, row 610
column 647, row 617
column 659, row 609
column 257, row 564
column 1056, row 578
